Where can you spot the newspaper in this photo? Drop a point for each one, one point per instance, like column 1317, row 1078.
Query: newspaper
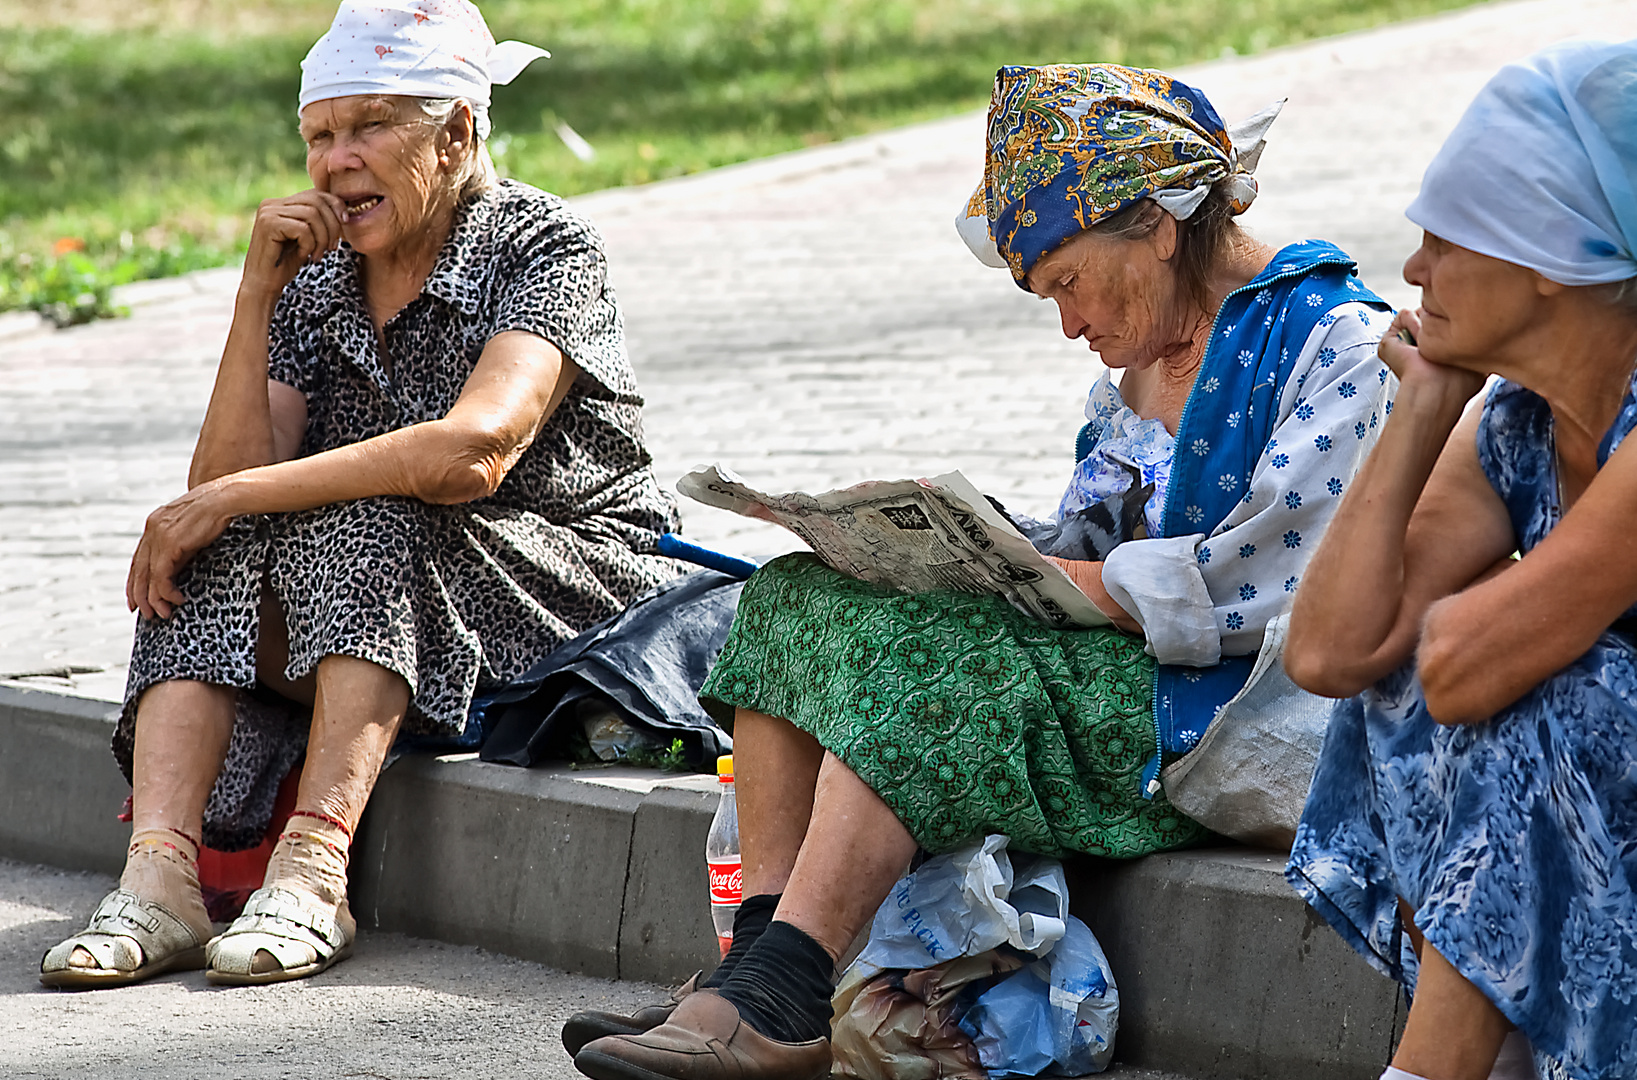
column 911, row 535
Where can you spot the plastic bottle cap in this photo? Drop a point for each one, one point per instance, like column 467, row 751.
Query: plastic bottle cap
column 724, row 768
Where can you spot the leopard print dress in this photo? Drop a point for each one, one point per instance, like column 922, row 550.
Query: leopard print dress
column 452, row 598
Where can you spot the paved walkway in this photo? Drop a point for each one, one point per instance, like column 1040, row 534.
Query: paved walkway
column 399, row 1009
column 810, row 320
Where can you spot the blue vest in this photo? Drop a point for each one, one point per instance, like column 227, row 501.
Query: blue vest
column 1255, row 341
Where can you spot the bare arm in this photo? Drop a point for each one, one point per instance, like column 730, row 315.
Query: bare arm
column 517, row 384
column 248, row 421
column 1419, row 523
column 1484, row 648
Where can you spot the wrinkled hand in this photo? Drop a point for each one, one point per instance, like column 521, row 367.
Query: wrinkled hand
column 288, row 234
column 1414, row 370
column 1088, row 578
column 174, row 534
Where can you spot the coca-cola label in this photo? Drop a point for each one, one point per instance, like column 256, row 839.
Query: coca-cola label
column 727, row 880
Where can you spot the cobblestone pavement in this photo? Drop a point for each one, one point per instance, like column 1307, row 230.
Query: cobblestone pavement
column 810, row 320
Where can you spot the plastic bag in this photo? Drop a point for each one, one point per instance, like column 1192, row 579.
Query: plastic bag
column 903, row 1025
column 1057, row 1016
column 966, row 902
column 1248, row 777
column 938, row 931
column 611, row 738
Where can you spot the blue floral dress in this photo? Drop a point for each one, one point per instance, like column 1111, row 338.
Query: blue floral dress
column 1514, row 840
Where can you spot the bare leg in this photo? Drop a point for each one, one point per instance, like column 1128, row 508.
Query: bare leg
column 776, row 768
column 356, row 713
column 357, row 709
column 1406, row 917
column 855, row 849
column 1454, row 1032
column 182, row 731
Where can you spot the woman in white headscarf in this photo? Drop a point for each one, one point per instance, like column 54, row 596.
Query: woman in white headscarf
column 422, row 468
column 1472, row 825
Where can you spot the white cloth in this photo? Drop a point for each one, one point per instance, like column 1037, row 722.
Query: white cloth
column 1183, row 589
column 1541, row 171
column 1124, row 439
column 415, row 48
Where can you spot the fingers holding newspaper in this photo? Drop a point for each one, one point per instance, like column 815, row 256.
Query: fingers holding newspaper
column 927, row 535
column 1088, row 578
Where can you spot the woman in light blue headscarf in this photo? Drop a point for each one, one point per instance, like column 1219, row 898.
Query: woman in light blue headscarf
column 1472, row 826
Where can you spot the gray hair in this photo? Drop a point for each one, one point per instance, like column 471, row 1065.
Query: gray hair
column 1203, row 239
column 1620, row 295
column 477, row 173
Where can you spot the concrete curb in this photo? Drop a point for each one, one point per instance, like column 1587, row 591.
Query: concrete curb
column 1222, row 970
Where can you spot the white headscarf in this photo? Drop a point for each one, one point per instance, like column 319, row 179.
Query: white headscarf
column 1542, row 169
column 417, row 48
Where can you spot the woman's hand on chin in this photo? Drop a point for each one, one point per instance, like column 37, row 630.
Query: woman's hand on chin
column 289, row 233
column 1415, row 371
column 173, row 535
column 1088, row 578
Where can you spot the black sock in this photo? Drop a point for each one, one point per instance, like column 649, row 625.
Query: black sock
column 782, row 986
column 754, row 913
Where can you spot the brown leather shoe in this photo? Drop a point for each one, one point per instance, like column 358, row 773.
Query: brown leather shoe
column 592, row 1024
column 704, row 1040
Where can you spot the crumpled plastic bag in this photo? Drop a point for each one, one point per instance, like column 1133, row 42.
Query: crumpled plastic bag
column 1055, row 1017
column 968, row 901
column 903, row 1025
column 953, row 925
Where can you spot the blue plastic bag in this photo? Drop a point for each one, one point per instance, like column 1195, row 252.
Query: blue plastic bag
column 1056, row 1016
column 968, row 901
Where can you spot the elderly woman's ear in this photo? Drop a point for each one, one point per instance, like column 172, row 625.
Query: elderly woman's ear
column 1159, row 228
column 455, row 139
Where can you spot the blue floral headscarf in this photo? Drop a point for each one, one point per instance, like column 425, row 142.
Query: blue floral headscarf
column 1071, row 144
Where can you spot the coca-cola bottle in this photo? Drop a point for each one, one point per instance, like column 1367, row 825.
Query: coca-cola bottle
column 722, row 857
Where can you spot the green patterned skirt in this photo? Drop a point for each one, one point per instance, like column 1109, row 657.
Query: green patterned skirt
column 965, row 716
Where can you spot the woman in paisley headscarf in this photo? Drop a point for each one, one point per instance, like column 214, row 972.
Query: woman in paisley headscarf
column 1472, row 825
column 869, row 723
column 421, row 469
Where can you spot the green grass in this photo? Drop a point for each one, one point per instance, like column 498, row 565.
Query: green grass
column 147, row 132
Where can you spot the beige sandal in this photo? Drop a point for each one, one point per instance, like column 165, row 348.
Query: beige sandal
column 288, row 926
column 131, row 939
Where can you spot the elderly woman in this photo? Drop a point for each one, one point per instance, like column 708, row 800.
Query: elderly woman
column 1472, row 826
column 869, row 723
column 422, row 467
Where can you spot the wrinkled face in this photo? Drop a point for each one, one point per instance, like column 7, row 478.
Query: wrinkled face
column 384, row 159
column 1473, row 308
column 1120, row 296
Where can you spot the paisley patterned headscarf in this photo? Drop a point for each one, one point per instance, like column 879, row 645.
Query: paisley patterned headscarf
column 1071, row 144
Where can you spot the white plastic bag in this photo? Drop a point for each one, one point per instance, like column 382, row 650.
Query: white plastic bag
column 965, row 902
column 1055, row 1017
column 1249, row 775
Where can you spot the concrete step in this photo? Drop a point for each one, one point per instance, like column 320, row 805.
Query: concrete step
column 1222, row 970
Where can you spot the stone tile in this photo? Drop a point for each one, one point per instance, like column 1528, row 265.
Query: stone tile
column 810, row 320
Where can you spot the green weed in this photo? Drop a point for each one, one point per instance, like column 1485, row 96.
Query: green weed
column 137, row 138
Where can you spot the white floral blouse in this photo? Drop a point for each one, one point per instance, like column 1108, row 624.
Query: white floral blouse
column 1201, row 597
